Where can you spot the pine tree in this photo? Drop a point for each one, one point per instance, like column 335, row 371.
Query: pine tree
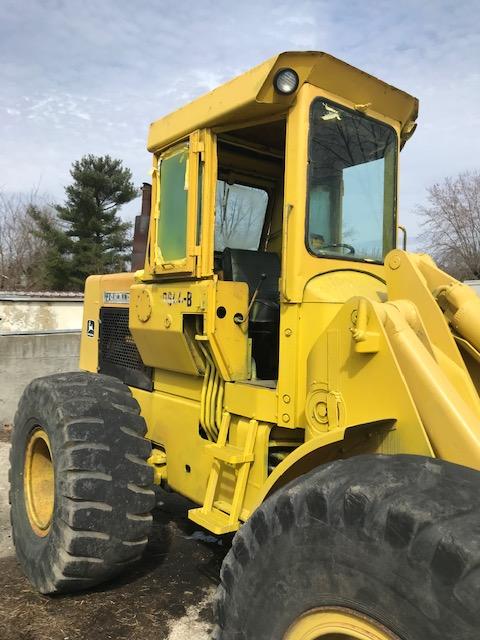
column 88, row 236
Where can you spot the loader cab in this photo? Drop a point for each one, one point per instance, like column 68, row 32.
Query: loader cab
column 272, row 185
column 218, row 200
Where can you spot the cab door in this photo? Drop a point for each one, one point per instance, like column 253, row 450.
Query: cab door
column 181, row 197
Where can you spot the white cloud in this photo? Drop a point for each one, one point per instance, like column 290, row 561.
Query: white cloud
column 89, row 77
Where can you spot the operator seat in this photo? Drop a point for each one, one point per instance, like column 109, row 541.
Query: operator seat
column 261, row 270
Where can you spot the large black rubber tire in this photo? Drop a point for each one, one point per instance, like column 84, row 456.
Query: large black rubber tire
column 103, row 485
column 395, row 538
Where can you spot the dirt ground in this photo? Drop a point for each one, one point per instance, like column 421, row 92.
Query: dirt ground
column 165, row 597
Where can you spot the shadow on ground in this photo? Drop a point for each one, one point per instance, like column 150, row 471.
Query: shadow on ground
column 174, row 581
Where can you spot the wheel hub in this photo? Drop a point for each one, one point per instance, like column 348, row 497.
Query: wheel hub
column 39, row 482
column 336, row 624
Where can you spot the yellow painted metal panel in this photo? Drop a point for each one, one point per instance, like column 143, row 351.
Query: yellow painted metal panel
column 178, row 384
column 97, row 290
column 220, row 105
column 408, row 278
column 159, row 334
column 302, row 325
column 208, row 161
column 158, row 316
column 91, row 306
column 365, row 387
column 338, row 286
column 251, row 96
column 452, row 424
column 173, row 423
column 228, row 338
column 289, row 402
column 251, row 401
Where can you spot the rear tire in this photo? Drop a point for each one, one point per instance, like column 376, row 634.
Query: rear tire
column 90, row 518
column 390, row 541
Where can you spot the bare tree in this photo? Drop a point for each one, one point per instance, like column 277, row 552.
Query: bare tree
column 451, row 225
column 21, row 250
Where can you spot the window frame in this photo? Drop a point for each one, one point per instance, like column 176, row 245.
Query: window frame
column 349, row 257
column 187, row 266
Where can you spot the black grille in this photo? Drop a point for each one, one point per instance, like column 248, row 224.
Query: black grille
column 118, row 355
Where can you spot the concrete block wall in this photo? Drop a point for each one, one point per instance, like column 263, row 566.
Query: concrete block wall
column 25, row 357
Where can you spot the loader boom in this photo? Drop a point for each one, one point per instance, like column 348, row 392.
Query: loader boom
column 443, row 385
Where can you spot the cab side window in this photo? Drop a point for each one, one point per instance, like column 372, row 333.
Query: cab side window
column 172, row 214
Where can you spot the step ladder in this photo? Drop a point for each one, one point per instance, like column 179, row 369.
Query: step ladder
column 223, row 517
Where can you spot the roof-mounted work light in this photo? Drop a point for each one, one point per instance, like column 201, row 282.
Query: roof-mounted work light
column 286, row 81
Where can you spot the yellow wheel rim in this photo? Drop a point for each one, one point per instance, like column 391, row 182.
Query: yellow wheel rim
column 39, row 482
column 337, row 624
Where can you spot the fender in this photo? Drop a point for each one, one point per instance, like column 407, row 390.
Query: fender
column 327, row 447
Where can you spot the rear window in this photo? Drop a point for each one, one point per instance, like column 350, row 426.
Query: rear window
column 239, row 216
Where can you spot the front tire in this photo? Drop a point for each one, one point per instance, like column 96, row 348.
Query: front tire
column 374, row 547
column 81, row 490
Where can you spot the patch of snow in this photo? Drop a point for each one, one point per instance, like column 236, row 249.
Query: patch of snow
column 190, row 626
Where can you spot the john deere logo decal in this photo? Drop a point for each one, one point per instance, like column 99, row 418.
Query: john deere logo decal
column 90, row 328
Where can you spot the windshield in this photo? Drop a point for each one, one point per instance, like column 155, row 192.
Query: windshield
column 351, row 197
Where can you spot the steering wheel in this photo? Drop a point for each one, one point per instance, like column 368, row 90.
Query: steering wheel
column 340, row 245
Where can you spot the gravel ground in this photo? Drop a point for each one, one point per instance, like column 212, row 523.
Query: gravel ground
column 165, row 597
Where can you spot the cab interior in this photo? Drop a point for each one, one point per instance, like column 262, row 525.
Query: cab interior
column 248, row 231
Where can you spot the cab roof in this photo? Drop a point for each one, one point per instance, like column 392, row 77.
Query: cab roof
column 251, row 96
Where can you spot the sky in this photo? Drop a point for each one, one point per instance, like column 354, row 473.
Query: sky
column 89, row 76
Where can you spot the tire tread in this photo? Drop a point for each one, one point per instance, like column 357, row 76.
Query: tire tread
column 104, row 492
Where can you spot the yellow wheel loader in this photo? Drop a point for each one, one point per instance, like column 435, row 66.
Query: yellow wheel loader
column 278, row 361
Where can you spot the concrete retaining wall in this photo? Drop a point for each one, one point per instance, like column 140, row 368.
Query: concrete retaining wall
column 25, row 357
column 38, row 315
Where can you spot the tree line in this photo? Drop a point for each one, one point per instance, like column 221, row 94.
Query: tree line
column 56, row 247
column 451, row 225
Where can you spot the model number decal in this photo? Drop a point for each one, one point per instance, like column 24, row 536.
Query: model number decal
column 177, row 297
column 116, row 297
